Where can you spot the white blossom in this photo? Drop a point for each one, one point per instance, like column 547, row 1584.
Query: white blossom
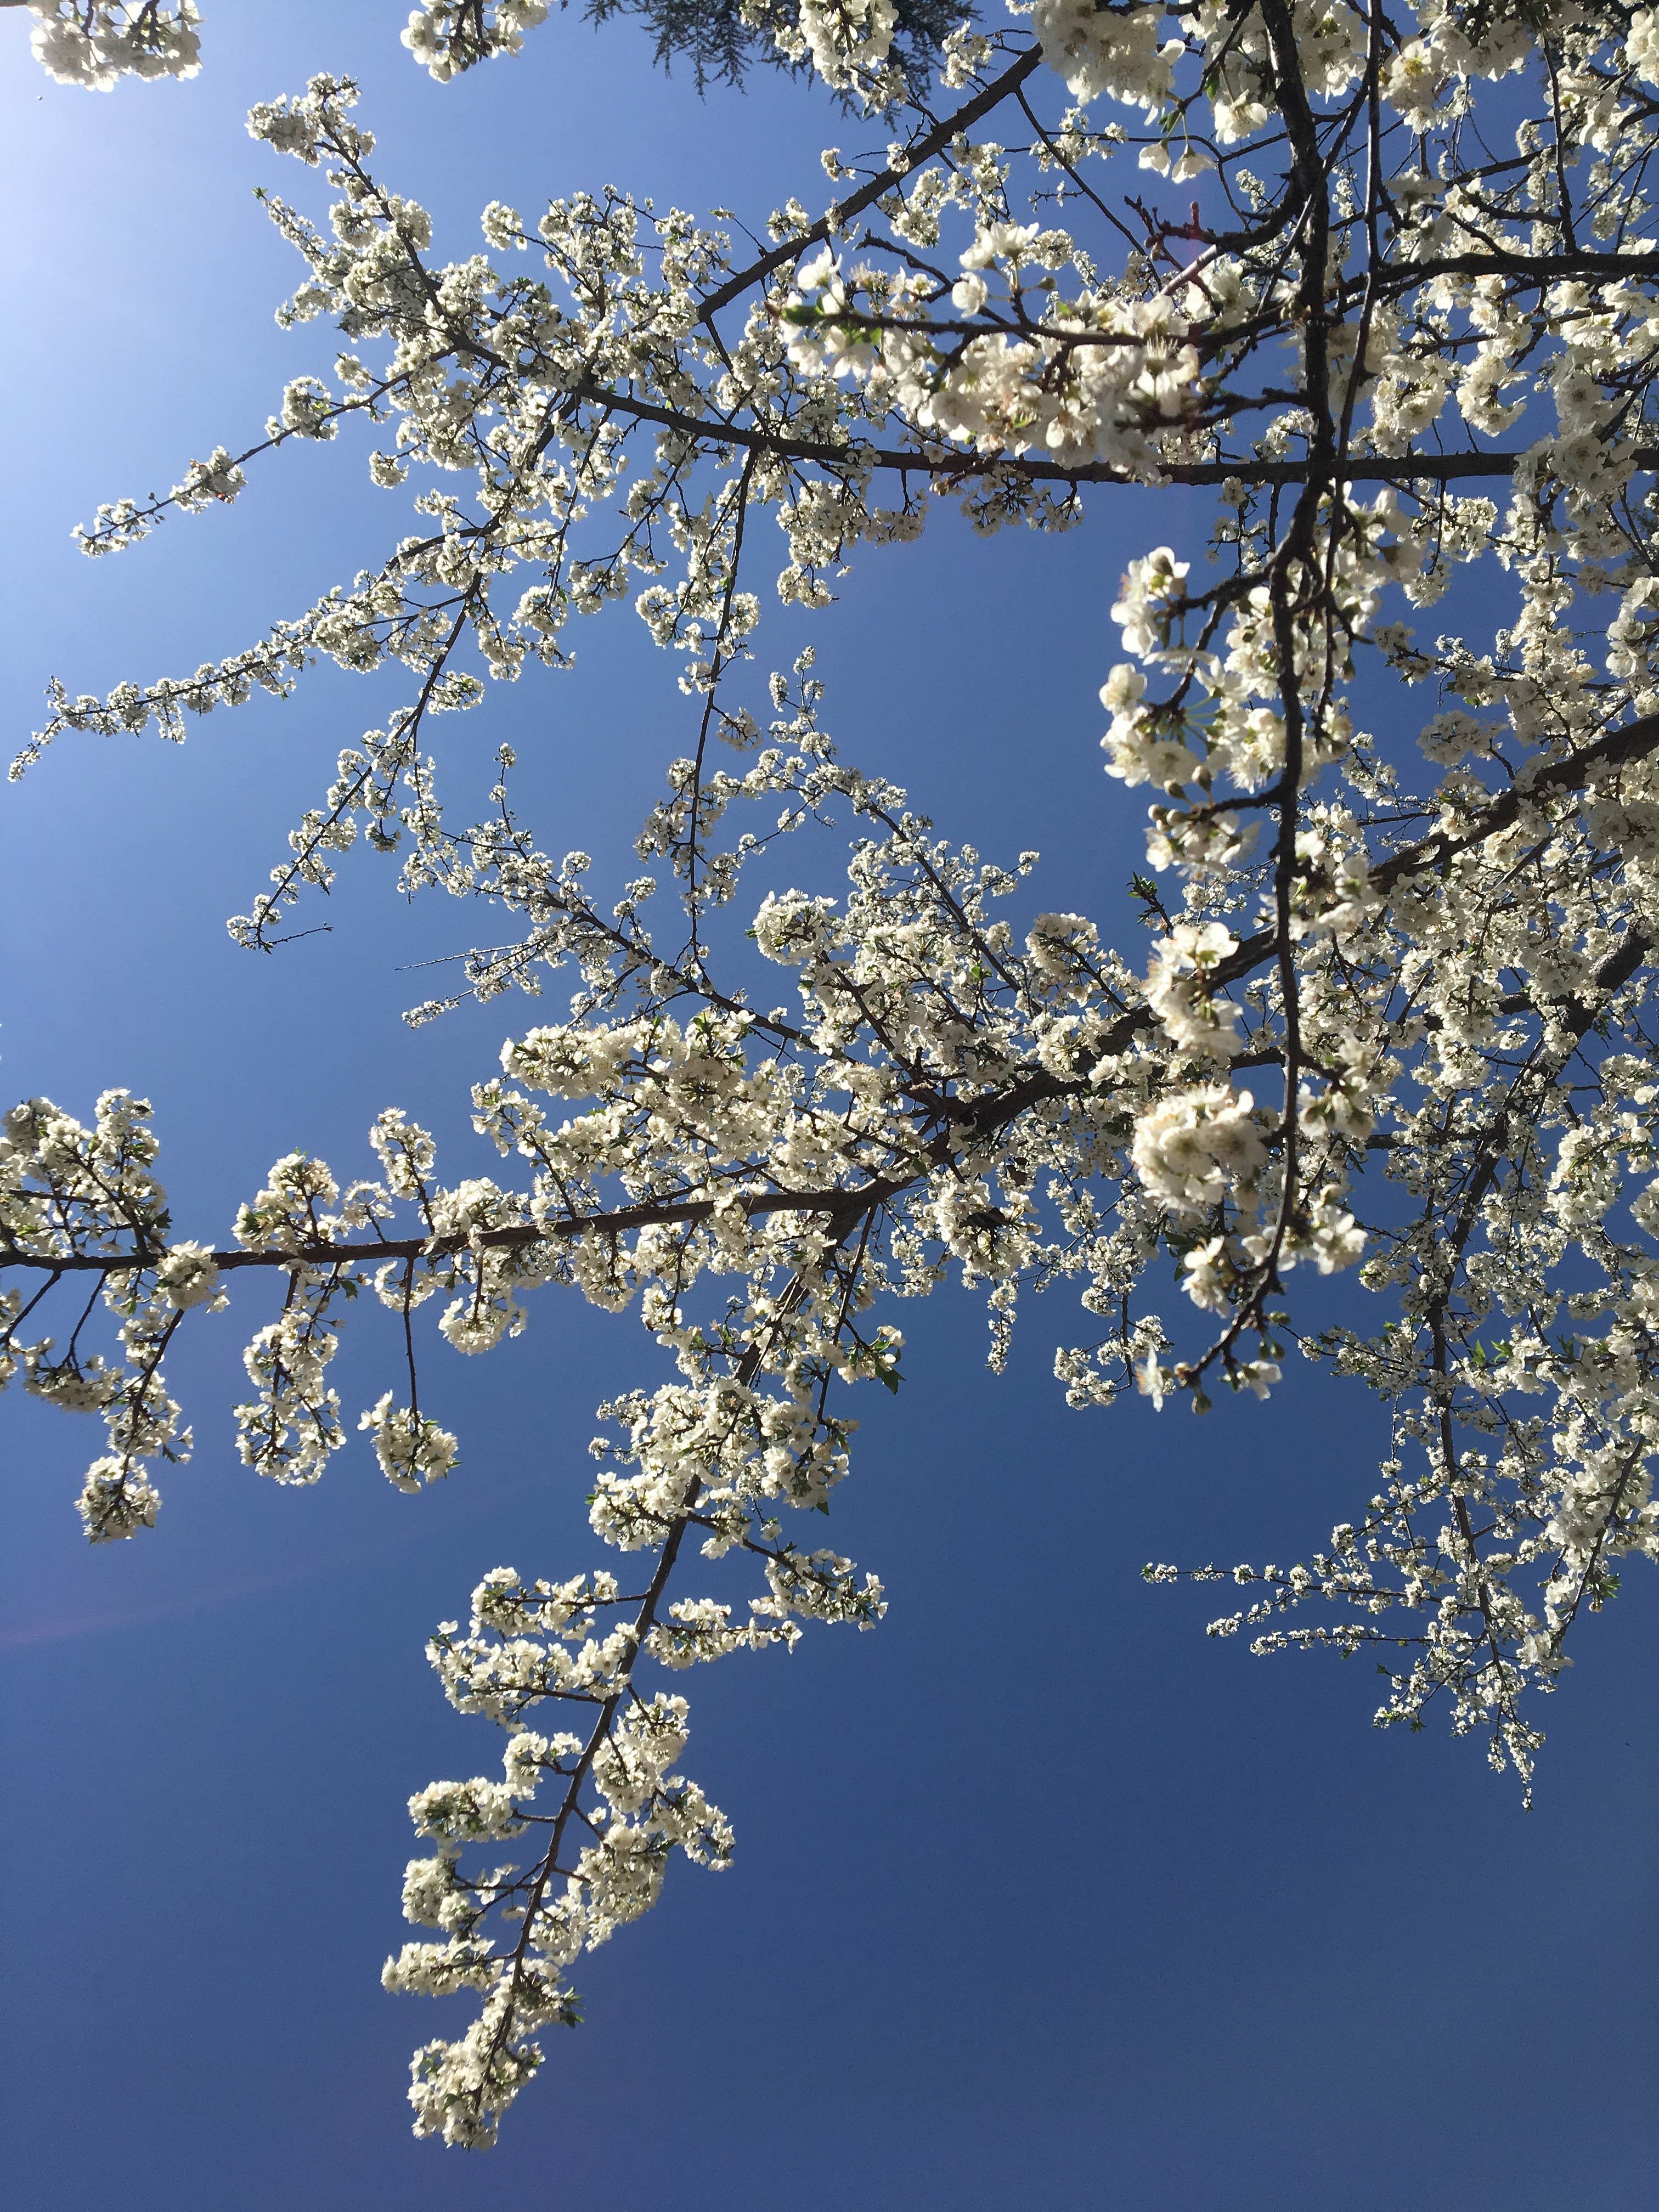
column 1425, row 933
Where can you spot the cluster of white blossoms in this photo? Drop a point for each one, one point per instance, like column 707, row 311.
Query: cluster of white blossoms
column 1193, row 1147
column 1383, row 1005
column 1093, row 383
column 447, row 36
column 846, row 41
column 95, row 43
column 90, row 1193
column 1119, row 53
column 410, row 1449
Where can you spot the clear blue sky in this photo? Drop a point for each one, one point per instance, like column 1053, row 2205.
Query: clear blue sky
column 1042, row 1901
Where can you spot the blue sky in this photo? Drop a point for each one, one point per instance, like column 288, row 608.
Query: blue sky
column 1039, row 1896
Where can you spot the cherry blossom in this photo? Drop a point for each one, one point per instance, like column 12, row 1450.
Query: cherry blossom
column 1379, row 1009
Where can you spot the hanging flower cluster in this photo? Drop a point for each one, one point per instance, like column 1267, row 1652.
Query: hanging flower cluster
column 95, row 43
column 447, row 36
